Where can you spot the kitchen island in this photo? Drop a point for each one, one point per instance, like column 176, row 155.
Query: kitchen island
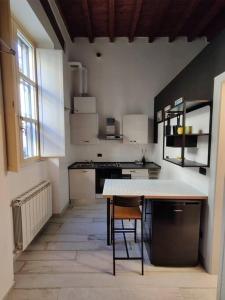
column 175, row 221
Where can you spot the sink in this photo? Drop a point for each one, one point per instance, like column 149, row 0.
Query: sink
column 85, row 165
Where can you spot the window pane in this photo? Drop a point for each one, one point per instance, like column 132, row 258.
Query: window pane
column 25, row 57
column 29, row 136
column 27, row 100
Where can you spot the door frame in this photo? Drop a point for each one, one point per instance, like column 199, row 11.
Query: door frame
column 217, row 174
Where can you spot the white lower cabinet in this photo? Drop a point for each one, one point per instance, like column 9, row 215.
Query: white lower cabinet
column 136, row 173
column 82, row 185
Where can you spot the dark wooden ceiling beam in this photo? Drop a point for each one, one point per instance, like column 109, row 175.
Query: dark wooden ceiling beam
column 88, row 22
column 48, row 10
column 135, row 19
column 161, row 9
column 212, row 31
column 212, row 13
column 185, row 17
column 111, row 16
column 64, row 20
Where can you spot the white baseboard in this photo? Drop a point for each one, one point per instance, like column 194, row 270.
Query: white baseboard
column 62, row 211
column 98, row 196
column 9, row 291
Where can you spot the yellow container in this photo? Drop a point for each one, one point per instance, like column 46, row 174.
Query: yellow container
column 188, row 129
column 180, row 130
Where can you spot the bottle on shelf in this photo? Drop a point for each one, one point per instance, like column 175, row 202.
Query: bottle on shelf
column 168, row 127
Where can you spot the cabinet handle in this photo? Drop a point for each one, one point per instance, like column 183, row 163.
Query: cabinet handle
column 178, row 210
column 86, row 141
column 133, row 171
column 84, row 171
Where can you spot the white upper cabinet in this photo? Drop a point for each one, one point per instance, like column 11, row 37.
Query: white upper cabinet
column 84, row 129
column 84, row 105
column 51, row 102
column 135, row 129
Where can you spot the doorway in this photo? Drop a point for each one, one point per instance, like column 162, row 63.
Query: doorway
column 218, row 184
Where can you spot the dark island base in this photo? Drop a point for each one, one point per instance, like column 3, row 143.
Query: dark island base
column 172, row 233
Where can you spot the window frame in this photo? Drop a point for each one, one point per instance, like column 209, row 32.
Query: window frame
column 18, row 29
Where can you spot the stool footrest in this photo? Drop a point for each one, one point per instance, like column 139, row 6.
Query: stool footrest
column 128, row 258
column 124, row 230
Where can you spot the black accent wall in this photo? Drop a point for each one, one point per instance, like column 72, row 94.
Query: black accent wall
column 196, row 80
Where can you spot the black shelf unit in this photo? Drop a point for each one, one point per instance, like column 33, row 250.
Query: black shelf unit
column 186, row 140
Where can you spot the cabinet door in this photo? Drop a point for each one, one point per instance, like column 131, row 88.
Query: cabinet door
column 135, row 129
column 175, row 233
column 136, row 173
column 84, row 129
column 82, row 185
column 84, row 105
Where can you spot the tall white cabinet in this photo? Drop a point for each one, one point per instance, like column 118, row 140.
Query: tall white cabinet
column 135, row 129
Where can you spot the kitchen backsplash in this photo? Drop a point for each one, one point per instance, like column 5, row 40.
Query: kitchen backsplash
column 111, row 151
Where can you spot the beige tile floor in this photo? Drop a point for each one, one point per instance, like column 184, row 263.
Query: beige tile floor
column 70, row 260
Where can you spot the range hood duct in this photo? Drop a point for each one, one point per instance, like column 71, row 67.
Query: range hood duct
column 83, row 82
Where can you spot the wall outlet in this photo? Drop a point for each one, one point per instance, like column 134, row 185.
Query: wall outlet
column 202, row 171
column 99, row 155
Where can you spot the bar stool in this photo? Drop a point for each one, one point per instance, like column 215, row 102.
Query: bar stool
column 127, row 208
column 147, row 204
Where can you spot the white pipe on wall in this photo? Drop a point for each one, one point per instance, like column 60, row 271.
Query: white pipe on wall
column 85, row 81
column 83, row 85
column 74, row 65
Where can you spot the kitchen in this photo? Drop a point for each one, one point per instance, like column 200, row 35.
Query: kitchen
column 139, row 120
column 88, row 180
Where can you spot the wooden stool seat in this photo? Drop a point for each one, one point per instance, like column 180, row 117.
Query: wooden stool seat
column 127, row 213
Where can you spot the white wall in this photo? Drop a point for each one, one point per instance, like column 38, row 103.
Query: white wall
column 12, row 185
column 172, row 171
column 27, row 19
column 221, row 281
column 6, row 245
column 56, row 168
column 27, row 177
column 125, row 79
column 211, row 184
column 191, row 176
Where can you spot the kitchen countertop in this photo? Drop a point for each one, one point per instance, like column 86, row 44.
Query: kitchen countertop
column 120, row 165
column 152, row 189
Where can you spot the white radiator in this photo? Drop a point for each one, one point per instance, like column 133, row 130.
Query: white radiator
column 31, row 211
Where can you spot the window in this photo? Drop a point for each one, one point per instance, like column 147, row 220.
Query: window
column 28, row 98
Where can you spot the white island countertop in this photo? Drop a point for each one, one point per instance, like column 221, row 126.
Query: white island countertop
column 153, row 189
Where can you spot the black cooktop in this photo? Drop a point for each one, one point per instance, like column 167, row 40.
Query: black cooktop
column 107, row 165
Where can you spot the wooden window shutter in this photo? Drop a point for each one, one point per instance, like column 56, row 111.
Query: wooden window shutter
column 9, row 91
column 51, row 102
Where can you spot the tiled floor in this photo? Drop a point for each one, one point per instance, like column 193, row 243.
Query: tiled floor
column 69, row 260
